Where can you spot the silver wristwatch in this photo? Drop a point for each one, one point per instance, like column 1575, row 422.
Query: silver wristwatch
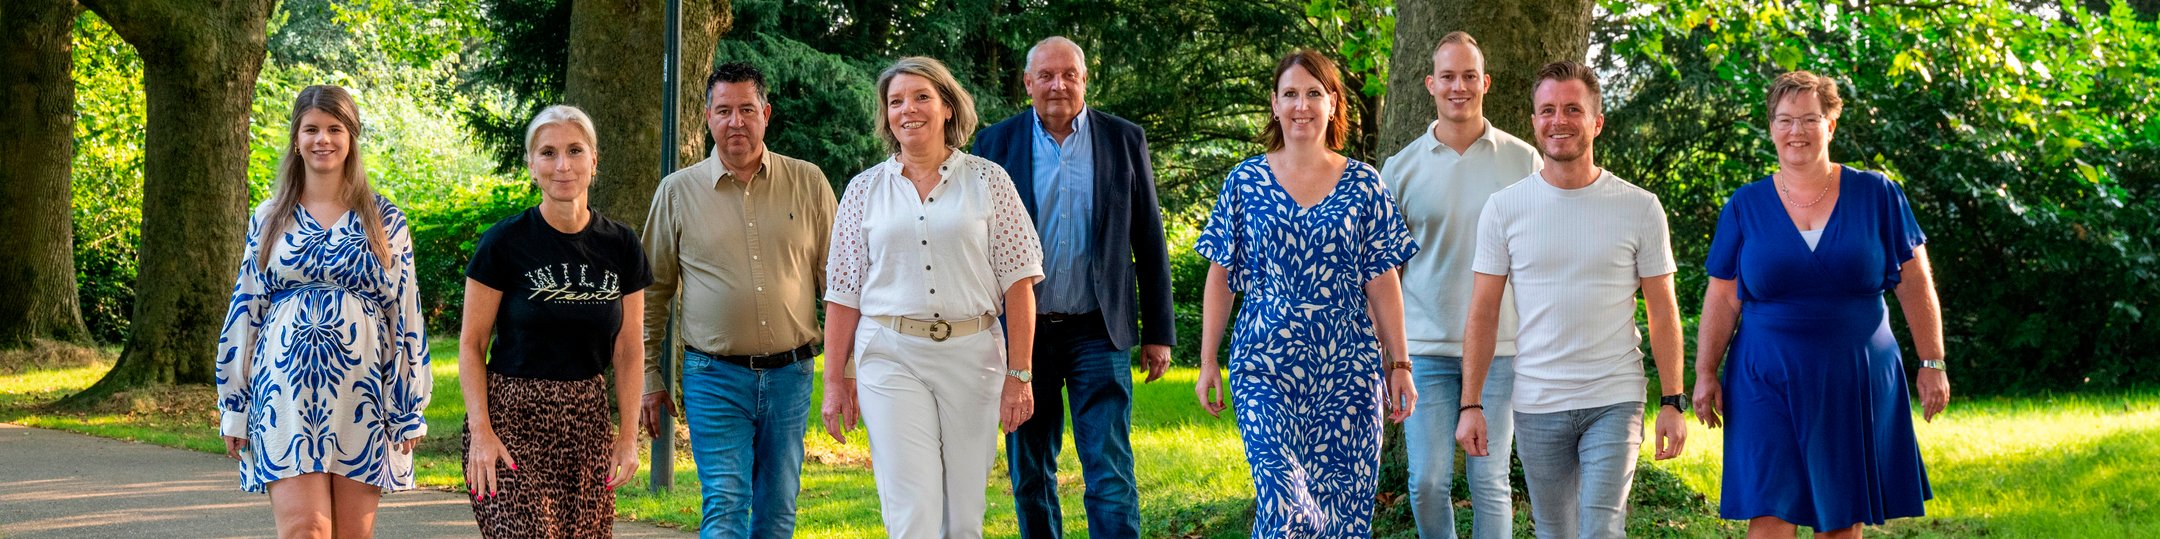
column 1024, row 375
column 1936, row 364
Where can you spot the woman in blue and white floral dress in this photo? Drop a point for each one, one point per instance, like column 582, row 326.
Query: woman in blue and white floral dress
column 1313, row 240
column 322, row 366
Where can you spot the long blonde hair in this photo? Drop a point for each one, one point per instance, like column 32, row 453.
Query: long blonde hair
column 292, row 175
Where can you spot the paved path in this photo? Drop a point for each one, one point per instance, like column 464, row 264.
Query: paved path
column 58, row 484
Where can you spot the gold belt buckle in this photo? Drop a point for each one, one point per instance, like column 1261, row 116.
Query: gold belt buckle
column 937, row 326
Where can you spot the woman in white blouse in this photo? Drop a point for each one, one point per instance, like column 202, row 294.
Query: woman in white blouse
column 928, row 249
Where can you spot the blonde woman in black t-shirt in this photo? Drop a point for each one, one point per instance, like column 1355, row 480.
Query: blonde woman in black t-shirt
column 560, row 289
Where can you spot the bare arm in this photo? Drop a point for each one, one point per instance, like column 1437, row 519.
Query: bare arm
column 1214, row 316
column 629, row 366
column 1923, row 317
column 1479, row 335
column 1383, row 298
column 1714, row 332
column 1017, row 398
column 481, row 303
column 1665, row 336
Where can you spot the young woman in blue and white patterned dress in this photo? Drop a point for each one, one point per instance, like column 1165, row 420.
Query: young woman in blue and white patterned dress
column 322, row 365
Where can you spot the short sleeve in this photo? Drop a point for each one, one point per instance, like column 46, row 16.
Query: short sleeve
column 1492, row 248
column 1387, row 238
column 1219, row 241
column 486, row 264
column 1900, row 230
column 1724, row 259
column 1653, row 252
column 1015, row 251
column 637, row 268
column 847, row 255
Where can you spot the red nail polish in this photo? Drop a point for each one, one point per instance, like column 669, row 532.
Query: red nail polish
column 513, row 466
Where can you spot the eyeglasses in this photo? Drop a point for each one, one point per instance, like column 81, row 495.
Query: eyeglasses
column 1809, row 121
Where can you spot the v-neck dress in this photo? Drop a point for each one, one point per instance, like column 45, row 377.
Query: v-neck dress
column 322, row 364
column 1818, row 423
column 1305, row 363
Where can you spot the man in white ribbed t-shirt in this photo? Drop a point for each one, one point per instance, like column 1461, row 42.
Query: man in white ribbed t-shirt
column 1576, row 244
column 1441, row 180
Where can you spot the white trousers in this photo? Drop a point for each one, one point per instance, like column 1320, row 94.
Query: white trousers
column 931, row 409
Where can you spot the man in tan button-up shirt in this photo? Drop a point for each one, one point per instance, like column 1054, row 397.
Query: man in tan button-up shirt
column 740, row 239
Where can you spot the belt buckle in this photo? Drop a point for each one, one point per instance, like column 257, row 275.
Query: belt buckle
column 937, row 326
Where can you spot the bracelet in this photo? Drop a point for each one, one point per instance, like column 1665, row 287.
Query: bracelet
column 1403, row 364
column 1468, row 407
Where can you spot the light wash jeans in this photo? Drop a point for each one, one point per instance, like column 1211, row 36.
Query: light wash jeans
column 746, row 434
column 1429, row 444
column 1579, row 465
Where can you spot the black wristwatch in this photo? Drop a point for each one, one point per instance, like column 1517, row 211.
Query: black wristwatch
column 1678, row 402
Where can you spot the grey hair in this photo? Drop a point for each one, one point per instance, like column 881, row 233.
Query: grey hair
column 957, row 128
column 562, row 114
column 1057, row 40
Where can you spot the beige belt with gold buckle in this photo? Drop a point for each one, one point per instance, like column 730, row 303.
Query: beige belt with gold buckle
column 936, row 330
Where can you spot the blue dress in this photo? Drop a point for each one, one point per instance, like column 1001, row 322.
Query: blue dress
column 1818, row 427
column 323, row 362
column 1305, row 365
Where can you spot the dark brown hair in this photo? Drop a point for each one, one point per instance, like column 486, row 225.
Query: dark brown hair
column 1567, row 70
column 1338, row 128
column 1792, row 83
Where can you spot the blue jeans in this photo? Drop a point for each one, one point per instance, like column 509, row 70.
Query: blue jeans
column 746, row 433
column 1076, row 359
column 1429, row 444
column 1579, row 465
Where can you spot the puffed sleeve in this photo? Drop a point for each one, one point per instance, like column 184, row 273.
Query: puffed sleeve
column 412, row 382
column 1015, row 251
column 1220, row 241
column 1724, row 259
column 1900, row 230
column 1387, row 241
column 236, row 341
column 847, row 258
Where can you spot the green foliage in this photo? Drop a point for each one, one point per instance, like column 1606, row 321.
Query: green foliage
column 820, row 102
column 2025, row 138
column 520, row 68
column 107, row 177
column 444, row 232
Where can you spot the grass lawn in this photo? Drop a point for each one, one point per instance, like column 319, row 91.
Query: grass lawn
column 2061, row 466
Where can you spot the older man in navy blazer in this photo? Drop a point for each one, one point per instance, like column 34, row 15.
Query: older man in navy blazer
column 1086, row 178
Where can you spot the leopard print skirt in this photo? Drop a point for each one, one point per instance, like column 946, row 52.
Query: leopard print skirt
column 558, row 432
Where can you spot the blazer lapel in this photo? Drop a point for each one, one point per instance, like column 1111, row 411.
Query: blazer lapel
column 1020, row 145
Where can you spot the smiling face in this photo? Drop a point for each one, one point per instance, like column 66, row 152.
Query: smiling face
column 1057, row 82
column 1801, row 129
column 1302, row 106
column 916, row 114
column 562, row 162
column 323, row 143
column 737, row 118
column 1566, row 117
column 1458, row 83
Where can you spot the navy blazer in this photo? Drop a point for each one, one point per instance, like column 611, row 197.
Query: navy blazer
column 1125, row 207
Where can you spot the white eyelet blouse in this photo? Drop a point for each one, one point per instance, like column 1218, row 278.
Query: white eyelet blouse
column 948, row 256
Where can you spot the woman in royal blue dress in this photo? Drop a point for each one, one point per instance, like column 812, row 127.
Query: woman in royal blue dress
column 322, row 365
column 1312, row 239
column 1818, row 424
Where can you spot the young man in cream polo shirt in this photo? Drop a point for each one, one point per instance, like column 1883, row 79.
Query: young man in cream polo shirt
column 1577, row 244
column 1441, row 180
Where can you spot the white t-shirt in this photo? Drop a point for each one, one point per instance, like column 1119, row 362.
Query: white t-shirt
column 1576, row 258
column 1440, row 193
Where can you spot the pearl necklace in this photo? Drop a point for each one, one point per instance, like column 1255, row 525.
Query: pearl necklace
column 1818, row 196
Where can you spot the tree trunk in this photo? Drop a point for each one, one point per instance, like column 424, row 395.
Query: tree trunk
column 1518, row 37
column 37, row 126
column 614, row 48
column 201, row 58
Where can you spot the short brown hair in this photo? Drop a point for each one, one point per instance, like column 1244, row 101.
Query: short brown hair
column 1462, row 37
column 957, row 128
column 1794, row 82
column 1338, row 128
column 1567, row 70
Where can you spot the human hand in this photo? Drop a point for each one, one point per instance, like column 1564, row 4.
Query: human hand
column 234, row 445
column 1709, row 401
column 650, row 409
column 1671, row 434
column 481, row 459
column 1016, row 404
column 1470, row 432
column 1934, row 387
column 840, row 410
column 406, row 447
column 1210, row 389
column 622, row 464
column 1157, row 359
column 1401, row 395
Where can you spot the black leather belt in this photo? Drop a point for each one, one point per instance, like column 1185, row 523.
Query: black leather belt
column 768, row 361
column 1060, row 318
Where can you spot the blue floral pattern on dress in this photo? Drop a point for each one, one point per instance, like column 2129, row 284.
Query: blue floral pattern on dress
column 1305, row 363
column 323, row 362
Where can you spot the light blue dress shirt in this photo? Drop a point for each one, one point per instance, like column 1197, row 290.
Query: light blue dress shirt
column 1065, row 203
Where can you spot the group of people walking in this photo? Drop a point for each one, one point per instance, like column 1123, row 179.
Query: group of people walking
column 1473, row 271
